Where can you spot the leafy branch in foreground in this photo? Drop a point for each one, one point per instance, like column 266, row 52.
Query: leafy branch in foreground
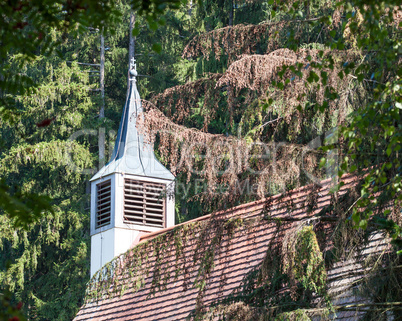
column 32, row 30
column 24, row 207
column 372, row 136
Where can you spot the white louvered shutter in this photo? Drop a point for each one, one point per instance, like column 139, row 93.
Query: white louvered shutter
column 144, row 203
column 103, row 204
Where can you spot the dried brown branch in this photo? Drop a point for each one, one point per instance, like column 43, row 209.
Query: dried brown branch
column 256, row 73
column 223, row 161
column 243, row 39
column 177, row 102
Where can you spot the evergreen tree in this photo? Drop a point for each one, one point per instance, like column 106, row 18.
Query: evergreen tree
column 233, row 61
column 46, row 264
column 289, row 78
column 236, row 94
column 49, row 151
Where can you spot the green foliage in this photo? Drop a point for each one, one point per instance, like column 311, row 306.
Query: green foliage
column 48, row 98
column 26, row 208
column 372, row 135
column 9, row 310
column 44, row 222
column 32, row 31
column 47, row 264
column 297, row 315
column 28, row 32
column 135, row 264
column 289, row 284
column 383, row 285
column 42, row 189
column 304, row 262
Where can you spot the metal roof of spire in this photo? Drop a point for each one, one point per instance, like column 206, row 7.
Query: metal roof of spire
column 130, row 154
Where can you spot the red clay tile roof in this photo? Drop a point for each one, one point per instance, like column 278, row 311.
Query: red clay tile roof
column 235, row 242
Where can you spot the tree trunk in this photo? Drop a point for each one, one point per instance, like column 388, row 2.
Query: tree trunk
column 190, row 8
column 101, row 140
column 229, row 90
column 131, row 48
column 231, row 14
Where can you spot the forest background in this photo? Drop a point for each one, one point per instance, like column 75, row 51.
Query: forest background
column 239, row 96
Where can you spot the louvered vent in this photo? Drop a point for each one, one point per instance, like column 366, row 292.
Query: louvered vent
column 103, row 204
column 144, row 203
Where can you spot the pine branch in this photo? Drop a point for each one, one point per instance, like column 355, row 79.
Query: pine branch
column 82, row 63
column 270, row 122
column 394, row 305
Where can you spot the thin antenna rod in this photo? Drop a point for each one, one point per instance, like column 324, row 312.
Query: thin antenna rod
column 131, row 48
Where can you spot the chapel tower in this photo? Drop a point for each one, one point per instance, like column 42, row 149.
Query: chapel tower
column 133, row 193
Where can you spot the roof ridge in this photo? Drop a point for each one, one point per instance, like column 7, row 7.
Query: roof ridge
column 323, row 183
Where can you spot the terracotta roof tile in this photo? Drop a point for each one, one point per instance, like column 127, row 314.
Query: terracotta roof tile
column 239, row 252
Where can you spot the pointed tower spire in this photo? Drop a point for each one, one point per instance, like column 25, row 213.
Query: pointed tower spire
column 129, row 195
column 130, row 154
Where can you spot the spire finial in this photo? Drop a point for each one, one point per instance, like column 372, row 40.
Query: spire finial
column 133, row 69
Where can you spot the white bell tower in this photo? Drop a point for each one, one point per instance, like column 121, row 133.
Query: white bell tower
column 133, row 193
